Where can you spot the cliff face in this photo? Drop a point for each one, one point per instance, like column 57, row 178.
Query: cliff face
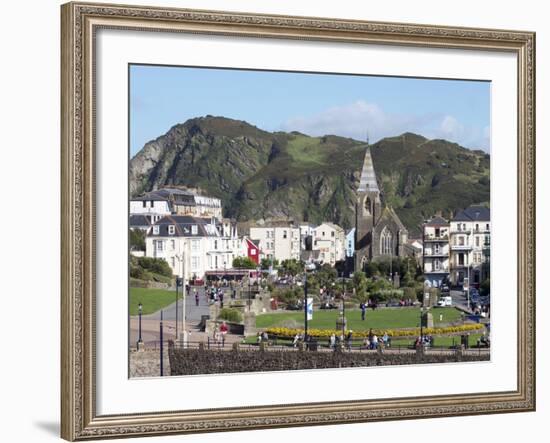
column 259, row 174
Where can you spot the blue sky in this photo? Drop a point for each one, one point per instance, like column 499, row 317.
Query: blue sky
column 315, row 104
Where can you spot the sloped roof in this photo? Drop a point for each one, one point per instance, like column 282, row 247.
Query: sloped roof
column 139, row 220
column 437, row 221
column 368, row 177
column 389, row 210
column 183, row 228
column 474, row 213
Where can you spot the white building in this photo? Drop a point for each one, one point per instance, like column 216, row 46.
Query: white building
column 330, row 240
column 435, row 255
column 176, row 201
column 279, row 241
column 193, row 245
column 470, row 240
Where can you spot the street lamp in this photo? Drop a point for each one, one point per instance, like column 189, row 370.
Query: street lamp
column 181, row 257
column 343, row 306
column 177, row 293
column 249, row 289
column 140, row 341
column 305, row 306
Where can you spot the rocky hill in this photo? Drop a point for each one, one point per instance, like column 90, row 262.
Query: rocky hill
column 261, row 175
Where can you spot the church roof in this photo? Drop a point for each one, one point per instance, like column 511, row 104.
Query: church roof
column 395, row 218
column 368, row 177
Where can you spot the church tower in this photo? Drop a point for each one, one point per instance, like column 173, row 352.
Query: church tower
column 368, row 209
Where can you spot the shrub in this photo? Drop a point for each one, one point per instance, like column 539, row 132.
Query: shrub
column 413, row 332
column 156, row 265
column 409, row 293
column 244, row 263
column 231, row 314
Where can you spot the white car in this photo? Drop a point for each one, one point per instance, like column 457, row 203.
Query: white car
column 445, row 301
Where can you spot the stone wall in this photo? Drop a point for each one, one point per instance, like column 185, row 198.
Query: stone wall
column 198, row 361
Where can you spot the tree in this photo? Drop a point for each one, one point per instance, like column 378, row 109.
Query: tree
column 360, row 284
column 244, row 263
column 266, row 263
column 326, row 275
column 137, row 240
column 291, row 267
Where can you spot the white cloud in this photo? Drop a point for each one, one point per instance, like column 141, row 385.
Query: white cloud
column 356, row 119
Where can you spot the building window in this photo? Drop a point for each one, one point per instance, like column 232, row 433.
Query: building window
column 461, row 241
column 252, row 252
column 195, row 245
column 194, row 229
column 156, row 229
column 437, row 265
column 477, row 241
column 332, row 234
column 173, row 243
column 216, row 244
column 368, row 206
column 171, row 229
column 477, row 227
column 160, row 245
column 323, row 233
column 487, row 227
column 386, row 242
column 437, row 248
column 284, row 234
column 144, row 204
column 195, row 263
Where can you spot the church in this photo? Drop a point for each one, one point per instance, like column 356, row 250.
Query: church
column 379, row 234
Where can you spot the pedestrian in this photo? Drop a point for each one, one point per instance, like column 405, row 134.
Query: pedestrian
column 363, row 307
column 386, row 340
column 349, row 339
column 374, row 342
column 296, row 339
column 196, row 297
column 223, row 331
column 221, row 298
column 332, row 341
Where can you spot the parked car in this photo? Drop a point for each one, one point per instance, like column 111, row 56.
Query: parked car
column 445, row 301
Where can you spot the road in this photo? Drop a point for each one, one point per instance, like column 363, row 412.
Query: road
column 193, row 312
column 460, row 300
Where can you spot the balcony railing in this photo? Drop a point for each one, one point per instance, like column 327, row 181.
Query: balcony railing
column 431, row 237
column 436, row 271
column 461, row 247
column 436, row 254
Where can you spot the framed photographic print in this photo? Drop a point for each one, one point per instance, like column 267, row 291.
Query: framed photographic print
column 283, row 221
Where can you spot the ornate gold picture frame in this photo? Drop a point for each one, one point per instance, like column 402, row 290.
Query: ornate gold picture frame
column 80, row 23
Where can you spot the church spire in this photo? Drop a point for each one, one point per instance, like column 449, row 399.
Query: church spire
column 368, row 177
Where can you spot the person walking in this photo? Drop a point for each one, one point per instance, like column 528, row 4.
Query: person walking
column 349, row 339
column 371, row 335
column 196, row 297
column 223, row 331
column 363, row 307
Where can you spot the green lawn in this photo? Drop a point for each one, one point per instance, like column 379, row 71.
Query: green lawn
column 379, row 319
column 151, row 299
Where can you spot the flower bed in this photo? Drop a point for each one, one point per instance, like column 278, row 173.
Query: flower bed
column 394, row 333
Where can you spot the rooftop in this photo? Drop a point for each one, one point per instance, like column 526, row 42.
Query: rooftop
column 474, row 213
